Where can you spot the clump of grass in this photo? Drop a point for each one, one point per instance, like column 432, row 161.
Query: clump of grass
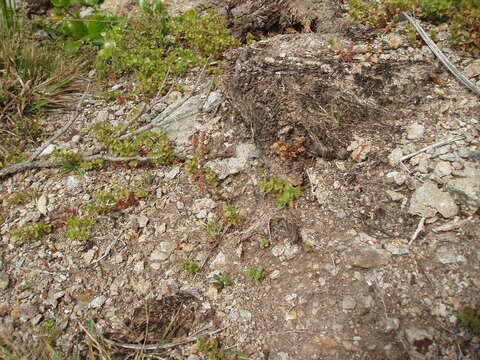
column 463, row 16
column 470, row 317
column 190, row 266
column 32, row 231
column 284, row 191
column 155, row 45
column 220, row 281
column 77, row 227
column 257, row 274
column 22, row 197
column 146, row 143
column 34, row 74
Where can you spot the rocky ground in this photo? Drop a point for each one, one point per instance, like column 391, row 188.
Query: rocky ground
column 374, row 260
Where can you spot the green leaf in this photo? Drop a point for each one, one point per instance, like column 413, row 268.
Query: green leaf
column 95, row 28
column 76, row 29
column 89, row 3
column 72, row 45
column 60, row 3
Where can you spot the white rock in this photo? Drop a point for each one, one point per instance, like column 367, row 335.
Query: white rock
column 142, row 221
column 72, row 182
column 415, row 131
column 158, row 256
column 443, row 168
column 42, row 203
column 102, row 116
column 429, row 199
column 395, row 156
column 139, row 267
column 48, row 150
column 219, row 262
column 97, row 302
column 446, row 256
column 213, row 99
column 172, row 173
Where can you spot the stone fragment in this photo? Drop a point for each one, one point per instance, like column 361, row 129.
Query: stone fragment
column 42, row 204
column 72, row 182
column 142, row 221
column 48, row 150
column 4, row 280
column 395, row 156
column 212, row 101
column 219, row 262
column 348, row 303
column 172, row 173
column 395, row 196
column 417, row 336
column 415, row 131
column 473, row 69
column 97, row 302
column 443, row 168
column 102, row 116
column 360, row 149
column 428, row 199
column 158, row 256
column 467, row 191
column 389, row 324
column 446, row 255
column 233, row 165
column 368, row 257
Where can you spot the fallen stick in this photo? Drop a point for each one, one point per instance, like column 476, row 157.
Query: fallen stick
column 420, row 225
column 170, row 345
column 429, row 147
column 460, row 77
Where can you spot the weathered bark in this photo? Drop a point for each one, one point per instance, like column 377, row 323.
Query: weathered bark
column 295, row 85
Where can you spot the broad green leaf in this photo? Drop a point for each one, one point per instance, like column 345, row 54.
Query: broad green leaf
column 76, row 28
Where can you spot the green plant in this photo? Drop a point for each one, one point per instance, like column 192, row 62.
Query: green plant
column 32, row 231
column 462, row 16
column 68, row 161
column 257, row 274
column 77, row 227
column 23, row 287
column 156, row 54
column 104, row 203
column 470, row 317
column 190, row 266
column 230, row 215
column 308, row 247
column 11, row 157
column 214, row 351
column 264, row 243
column 34, row 74
column 22, row 197
column 220, row 281
column 213, row 227
column 146, row 143
column 285, row 192
column 49, row 331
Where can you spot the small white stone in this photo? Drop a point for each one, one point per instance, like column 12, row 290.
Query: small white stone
column 415, row 131
column 97, row 302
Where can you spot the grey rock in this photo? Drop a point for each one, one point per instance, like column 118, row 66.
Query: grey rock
column 414, row 335
column 474, row 156
column 219, row 262
column 139, row 267
column 368, row 257
column 97, row 302
column 172, row 173
column 102, row 116
column 159, row 256
column 4, row 280
column 182, row 122
column 395, row 156
column 48, row 150
column 442, row 169
column 429, row 199
column 180, row 205
column 446, row 255
column 473, row 69
column 348, row 303
column 213, row 99
column 203, row 204
column 142, row 221
column 395, row 196
column 389, row 324
column 466, row 191
column 415, row 131
column 72, row 182
column 233, row 165
column 160, row 228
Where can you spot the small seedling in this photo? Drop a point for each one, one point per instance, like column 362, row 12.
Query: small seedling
column 213, row 228
column 190, row 266
column 470, row 317
column 68, row 161
column 264, row 243
column 33, row 231
column 307, row 247
column 23, row 287
column 257, row 274
column 77, row 228
column 285, row 192
column 220, row 281
column 22, row 197
column 230, row 215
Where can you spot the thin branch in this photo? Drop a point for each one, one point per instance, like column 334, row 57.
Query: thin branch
column 429, row 147
column 61, row 275
column 131, row 121
column 166, row 345
column 460, row 77
column 107, row 250
column 419, row 229
column 62, row 130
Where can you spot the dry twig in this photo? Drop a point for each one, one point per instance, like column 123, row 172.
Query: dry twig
column 429, row 147
column 460, row 77
column 419, row 229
